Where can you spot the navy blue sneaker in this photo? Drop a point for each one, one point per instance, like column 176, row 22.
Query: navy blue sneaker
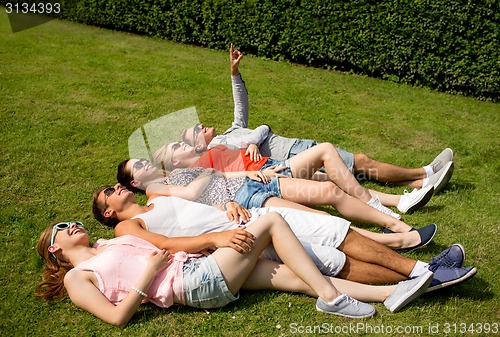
column 447, row 276
column 452, row 257
column 426, row 235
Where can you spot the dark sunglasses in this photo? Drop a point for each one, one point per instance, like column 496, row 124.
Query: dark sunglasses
column 175, row 146
column 196, row 131
column 139, row 164
column 108, row 191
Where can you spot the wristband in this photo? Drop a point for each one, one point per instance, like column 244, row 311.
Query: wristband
column 140, row 292
column 224, row 207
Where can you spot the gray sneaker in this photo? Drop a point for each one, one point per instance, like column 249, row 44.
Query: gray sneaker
column 407, row 291
column 346, row 306
column 442, row 159
column 442, row 177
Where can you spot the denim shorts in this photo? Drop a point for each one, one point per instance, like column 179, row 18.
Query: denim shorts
column 204, row 285
column 301, row 145
column 254, row 193
column 286, row 163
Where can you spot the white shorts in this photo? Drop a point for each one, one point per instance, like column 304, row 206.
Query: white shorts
column 319, row 234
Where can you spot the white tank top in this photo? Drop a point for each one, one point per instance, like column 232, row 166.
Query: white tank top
column 174, row 217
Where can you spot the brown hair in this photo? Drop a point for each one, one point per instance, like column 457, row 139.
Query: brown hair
column 52, row 284
column 98, row 209
column 125, row 178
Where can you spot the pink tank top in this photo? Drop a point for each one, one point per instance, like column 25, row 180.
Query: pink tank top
column 119, row 266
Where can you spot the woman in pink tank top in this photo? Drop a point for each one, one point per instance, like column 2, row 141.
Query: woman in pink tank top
column 146, row 274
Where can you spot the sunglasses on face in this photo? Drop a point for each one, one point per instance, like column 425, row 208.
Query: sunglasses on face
column 196, row 131
column 139, row 164
column 59, row 227
column 174, row 147
column 107, row 193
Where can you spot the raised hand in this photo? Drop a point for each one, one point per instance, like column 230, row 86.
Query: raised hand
column 234, row 58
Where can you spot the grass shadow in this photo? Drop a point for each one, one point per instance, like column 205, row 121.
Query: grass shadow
column 472, row 289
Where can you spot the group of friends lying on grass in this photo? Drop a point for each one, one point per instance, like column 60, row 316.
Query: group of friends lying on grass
column 229, row 212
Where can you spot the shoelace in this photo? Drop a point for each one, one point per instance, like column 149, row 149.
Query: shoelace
column 379, row 207
column 443, row 256
column 351, row 300
column 435, row 266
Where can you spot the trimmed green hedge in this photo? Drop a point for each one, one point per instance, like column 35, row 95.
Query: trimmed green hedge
column 451, row 46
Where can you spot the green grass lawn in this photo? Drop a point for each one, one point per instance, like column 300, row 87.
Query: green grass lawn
column 70, row 96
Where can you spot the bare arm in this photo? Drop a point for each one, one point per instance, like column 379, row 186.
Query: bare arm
column 85, row 294
column 263, row 176
column 190, row 192
column 238, row 239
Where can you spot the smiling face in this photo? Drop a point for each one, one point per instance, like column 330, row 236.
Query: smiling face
column 142, row 172
column 114, row 199
column 67, row 235
column 181, row 154
column 199, row 135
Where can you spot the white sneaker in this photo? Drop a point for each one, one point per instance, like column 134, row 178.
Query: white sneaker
column 442, row 159
column 442, row 177
column 410, row 202
column 375, row 203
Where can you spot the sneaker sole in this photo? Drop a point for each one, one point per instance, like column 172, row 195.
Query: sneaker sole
column 344, row 315
column 445, row 178
column 464, row 278
column 424, row 199
column 418, row 290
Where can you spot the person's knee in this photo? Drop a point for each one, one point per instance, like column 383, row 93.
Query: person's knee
column 363, row 166
column 328, row 148
column 332, row 191
column 361, row 160
column 277, row 220
column 346, row 270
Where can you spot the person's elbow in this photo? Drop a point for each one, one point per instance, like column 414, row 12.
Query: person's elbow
column 169, row 245
column 120, row 322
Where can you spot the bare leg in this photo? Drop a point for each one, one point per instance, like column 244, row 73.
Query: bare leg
column 410, row 183
column 363, row 249
column 269, row 274
column 387, row 173
column 393, row 241
column 368, row 273
column 277, row 202
column 306, row 163
column 386, row 199
column 273, row 228
column 311, row 192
